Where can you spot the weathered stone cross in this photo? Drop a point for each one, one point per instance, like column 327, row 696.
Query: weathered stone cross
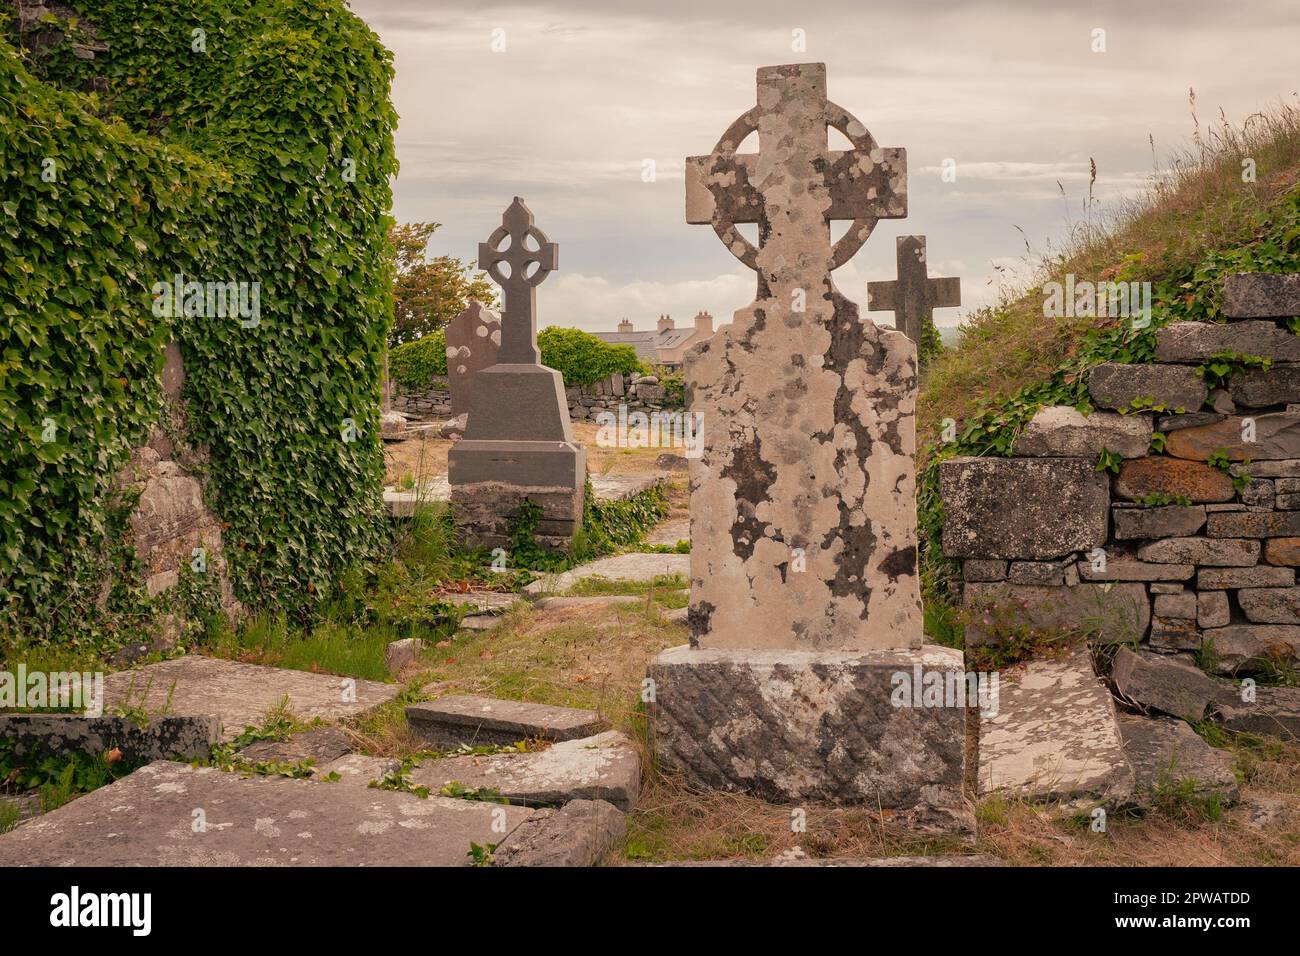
column 913, row 296
column 518, row 285
column 795, row 177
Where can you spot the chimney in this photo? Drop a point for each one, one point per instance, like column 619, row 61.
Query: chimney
column 665, row 323
column 704, row 323
column 625, row 326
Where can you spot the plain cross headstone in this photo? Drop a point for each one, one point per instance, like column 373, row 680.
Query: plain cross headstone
column 473, row 341
column 803, row 511
column 518, row 442
column 913, row 296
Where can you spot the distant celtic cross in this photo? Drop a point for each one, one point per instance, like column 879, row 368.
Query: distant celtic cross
column 794, row 175
column 913, row 296
column 519, row 284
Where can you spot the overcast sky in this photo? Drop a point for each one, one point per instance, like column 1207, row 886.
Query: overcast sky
column 586, row 90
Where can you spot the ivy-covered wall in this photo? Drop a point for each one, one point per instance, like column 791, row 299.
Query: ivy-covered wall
column 245, row 141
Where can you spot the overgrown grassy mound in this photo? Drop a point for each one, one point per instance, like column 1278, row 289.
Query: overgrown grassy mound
column 226, row 141
column 1230, row 204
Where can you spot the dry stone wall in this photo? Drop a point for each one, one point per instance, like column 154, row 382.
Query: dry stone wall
column 1190, row 540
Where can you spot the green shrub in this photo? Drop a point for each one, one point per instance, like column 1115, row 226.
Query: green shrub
column 230, row 163
column 582, row 358
column 414, row 364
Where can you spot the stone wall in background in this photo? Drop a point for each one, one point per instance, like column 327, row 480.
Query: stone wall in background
column 1192, row 549
column 637, row 392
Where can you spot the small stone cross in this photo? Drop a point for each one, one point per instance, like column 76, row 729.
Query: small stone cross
column 519, row 286
column 913, row 296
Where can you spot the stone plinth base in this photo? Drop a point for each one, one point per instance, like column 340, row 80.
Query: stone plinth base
column 490, row 479
column 793, row 726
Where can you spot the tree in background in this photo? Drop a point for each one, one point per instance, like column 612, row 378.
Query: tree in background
column 429, row 293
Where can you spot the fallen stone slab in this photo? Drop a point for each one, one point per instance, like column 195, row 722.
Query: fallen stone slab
column 590, row 600
column 621, row 487
column 479, row 622
column 1260, row 812
column 148, row 819
column 670, row 532
column 240, row 695
column 1023, row 508
column 620, row 567
column 448, row 722
column 1062, row 431
column 604, row 767
column 480, row 602
column 1254, row 648
column 1167, row 685
column 320, row 745
column 1054, row 736
column 1275, row 711
column 401, row 654
column 403, row 504
column 1165, row 752
column 841, row 862
column 188, row 737
column 581, row 833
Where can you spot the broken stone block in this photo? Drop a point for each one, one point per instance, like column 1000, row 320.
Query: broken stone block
column 1270, row 605
column 604, row 767
column 1054, row 735
column 1170, row 521
column 1176, row 387
column 1275, row 711
column 1193, row 480
column 1259, row 295
column 1212, row 609
column 1169, row 685
column 790, row 726
column 1027, row 508
column 400, row 654
column 1276, row 436
column 147, row 819
column 448, row 722
column 1254, row 524
column 975, row 569
column 188, row 737
column 1062, row 431
column 1259, row 576
column 633, row 566
column 1260, row 388
column 1219, row 552
column 1194, row 342
column 320, row 745
column 1255, row 648
column 581, row 833
column 1110, row 613
column 1165, row 753
column 1283, row 551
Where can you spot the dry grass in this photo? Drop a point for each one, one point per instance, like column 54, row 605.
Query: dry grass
column 1196, row 204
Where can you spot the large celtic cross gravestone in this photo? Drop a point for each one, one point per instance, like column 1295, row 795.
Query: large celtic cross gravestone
column 913, row 296
column 803, row 506
column 518, row 443
column 805, row 604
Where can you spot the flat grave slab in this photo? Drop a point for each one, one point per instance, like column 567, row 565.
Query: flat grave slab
column 670, row 531
column 451, row 721
column 620, row 567
column 1055, row 735
column 148, row 819
column 604, row 767
column 240, row 695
